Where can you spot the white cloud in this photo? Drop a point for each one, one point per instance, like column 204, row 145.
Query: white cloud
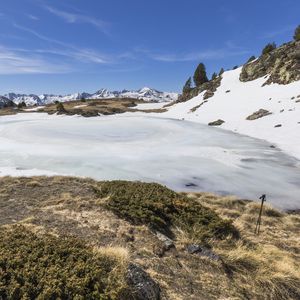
column 79, row 18
column 194, row 56
column 32, row 17
column 83, row 55
column 16, row 62
column 69, row 50
column 275, row 33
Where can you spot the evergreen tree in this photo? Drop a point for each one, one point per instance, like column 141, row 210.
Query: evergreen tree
column 200, row 76
column 297, row 34
column 21, row 105
column 269, row 48
column 214, row 76
column 251, row 59
column 188, row 86
column 221, row 72
column 60, row 107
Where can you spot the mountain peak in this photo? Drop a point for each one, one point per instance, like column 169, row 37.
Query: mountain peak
column 144, row 93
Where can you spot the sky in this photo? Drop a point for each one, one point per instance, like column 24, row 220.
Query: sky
column 69, row 46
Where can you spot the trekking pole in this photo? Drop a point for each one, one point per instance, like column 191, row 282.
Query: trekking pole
column 257, row 228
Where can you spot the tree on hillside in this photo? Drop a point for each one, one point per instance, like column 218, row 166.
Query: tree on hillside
column 188, row 86
column 60, row 107
column 269, row 48
column 297, row 34
column 221, row 72
column 200, row 76
column 21, row 105
column 214, row 76
column 251, row 59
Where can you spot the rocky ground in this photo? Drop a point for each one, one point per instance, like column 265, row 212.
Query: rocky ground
column 171, row 244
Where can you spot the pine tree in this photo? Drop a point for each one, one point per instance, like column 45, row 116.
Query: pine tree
column 200, row 76
column 297, row 34
column 251, row 59
column 214, row 76
column 187, row 87
column 269, row 48
column 60, row 107
column 21, row 105
column 221, row 72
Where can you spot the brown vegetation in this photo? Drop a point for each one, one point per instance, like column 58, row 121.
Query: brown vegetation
column 251, row 267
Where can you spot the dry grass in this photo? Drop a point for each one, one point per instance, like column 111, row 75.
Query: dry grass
column 254, row 267
column 265, row 266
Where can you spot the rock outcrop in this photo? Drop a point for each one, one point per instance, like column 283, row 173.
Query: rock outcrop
column 210, row 87
column 258, row 114
column 281, row 65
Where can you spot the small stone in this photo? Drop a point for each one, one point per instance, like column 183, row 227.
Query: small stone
column 202, row 251
column 168, row 243
column 228, row 91
column 191, row 184
column 193, row 248
column 216, row 123
column 278, row 125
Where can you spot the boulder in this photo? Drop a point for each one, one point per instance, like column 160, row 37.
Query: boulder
column 142, row 286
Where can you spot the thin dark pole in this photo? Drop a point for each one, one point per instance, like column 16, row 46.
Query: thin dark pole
column 257, row 228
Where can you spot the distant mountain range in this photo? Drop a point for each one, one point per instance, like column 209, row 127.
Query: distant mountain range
column 145, row 93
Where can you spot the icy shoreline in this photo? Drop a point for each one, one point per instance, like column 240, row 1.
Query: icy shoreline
column 185, row 156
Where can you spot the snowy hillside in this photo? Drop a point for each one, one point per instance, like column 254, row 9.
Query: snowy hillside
column 145, row 93
column 234, row 101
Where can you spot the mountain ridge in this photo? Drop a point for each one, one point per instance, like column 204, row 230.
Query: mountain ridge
column 145, row 93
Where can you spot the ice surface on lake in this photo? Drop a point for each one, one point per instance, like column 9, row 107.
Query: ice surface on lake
column 182, row 155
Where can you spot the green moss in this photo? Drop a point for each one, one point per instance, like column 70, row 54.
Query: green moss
column 48, row 267
column 161, row 208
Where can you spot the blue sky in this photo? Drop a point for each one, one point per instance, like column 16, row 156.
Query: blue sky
column 83, row 45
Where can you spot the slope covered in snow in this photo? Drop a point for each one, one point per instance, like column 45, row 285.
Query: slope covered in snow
column 234, row 101
column 145, row 93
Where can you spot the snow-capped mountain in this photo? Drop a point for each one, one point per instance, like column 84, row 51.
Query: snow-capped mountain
column 5, row 102
column 145, row 93
column 30, row 99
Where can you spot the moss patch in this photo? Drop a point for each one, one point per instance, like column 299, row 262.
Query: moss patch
column 161, row 208
column 47, row 267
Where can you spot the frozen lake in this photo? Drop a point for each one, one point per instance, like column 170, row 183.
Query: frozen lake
column 180, row 154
